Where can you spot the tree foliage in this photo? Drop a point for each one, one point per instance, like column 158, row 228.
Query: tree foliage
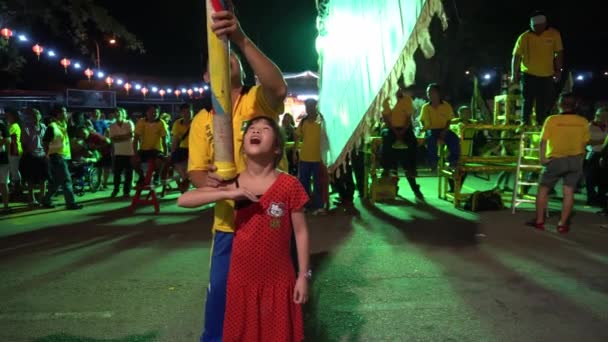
column 83, row 21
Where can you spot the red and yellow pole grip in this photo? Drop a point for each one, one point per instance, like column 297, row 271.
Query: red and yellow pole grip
column 219, row 73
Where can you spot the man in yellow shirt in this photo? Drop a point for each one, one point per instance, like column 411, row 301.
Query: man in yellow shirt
column 399, row 143
column 248, row 102
column 308, row 135
column 562, row 152
column 537, row 60
column 436, row 117
column 150, row 141
column 179, row 144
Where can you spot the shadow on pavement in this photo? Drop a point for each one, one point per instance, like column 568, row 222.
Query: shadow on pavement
column 440, row 228
column 69, row 338
column 331, row 314
column 105, row 235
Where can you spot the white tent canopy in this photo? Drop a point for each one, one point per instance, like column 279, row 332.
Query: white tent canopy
column 364, row 47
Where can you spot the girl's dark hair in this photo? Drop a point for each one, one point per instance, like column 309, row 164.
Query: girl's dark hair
column 279, row 139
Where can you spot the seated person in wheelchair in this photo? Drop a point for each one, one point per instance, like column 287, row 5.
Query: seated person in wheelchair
column 435, row 118
column 82, row 155
column 399, row 143
column 100, row 145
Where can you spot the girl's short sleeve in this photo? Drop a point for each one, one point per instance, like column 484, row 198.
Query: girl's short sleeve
column 297, row 195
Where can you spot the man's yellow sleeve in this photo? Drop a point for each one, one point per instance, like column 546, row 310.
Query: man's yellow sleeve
column 199, row 152
column 262, row 104
column 518, row 50
column 164, row 129
column 424, row 117
column 558, row 45
column 546, row 132
column 139, row 127
column 451, row 114
column 586, row 135
column 175, row 129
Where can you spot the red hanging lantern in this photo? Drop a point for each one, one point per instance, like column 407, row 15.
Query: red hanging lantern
column 37, row 50
column 190, row 92
column 65, row 63
column 127, row 87
column 144, row 91
column 177, row 92
column 162, row 93
column 6, row 33
column 88, row 73
column 109, row 81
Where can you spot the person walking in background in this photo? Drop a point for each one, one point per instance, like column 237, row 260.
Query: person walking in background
column 264, row 295
column 58, row 152
column 308, row 135
column 561, row 159
column 179, row 145
column 288, row 126
column 538, row 58
column 34, row 164
column 5, row 143
column 121, row 135
column 13, row 121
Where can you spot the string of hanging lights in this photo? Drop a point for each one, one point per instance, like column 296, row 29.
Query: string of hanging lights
column 118, row 84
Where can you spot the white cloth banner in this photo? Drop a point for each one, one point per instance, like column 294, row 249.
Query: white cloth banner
column 364, row 47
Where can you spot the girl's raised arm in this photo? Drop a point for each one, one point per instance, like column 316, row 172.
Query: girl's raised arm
column 201, row 196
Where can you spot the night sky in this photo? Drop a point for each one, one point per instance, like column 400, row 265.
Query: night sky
column 173, row 32
column 175, row 35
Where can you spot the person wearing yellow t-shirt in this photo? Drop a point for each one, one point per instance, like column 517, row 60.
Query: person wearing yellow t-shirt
column 435, row 118
column 399, row 143
column 179, row 145
column 13, row 122
column 308, row 141
column 604, row 170
column 265, row 99
column 57, row 147
column 537, row 61
column 150, row 141
column 562, row 152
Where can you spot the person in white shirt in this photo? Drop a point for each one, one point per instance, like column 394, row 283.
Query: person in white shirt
column 598, row 130
column 121, row 134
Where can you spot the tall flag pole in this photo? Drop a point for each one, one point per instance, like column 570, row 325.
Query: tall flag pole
column 219, row 73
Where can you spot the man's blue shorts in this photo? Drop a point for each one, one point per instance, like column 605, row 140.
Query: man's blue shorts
column 215, row 306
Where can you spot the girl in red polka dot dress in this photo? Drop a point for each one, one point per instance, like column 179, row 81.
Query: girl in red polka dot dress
column 264, row 294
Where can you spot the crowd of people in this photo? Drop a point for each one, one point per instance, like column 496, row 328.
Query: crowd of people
column 41, row 155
